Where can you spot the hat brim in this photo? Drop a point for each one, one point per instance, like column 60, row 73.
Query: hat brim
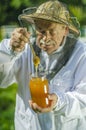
column 30, row 18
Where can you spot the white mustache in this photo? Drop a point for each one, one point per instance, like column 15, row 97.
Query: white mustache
column 50, row 42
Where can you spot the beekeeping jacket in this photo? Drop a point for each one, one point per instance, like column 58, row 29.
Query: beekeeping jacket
column 68, row 82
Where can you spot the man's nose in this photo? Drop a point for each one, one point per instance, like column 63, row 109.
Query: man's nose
column 46, row 36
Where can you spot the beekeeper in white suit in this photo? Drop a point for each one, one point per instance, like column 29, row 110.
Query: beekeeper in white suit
column 62, row 55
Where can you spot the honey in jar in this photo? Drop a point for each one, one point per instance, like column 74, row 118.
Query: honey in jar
column 39, row 91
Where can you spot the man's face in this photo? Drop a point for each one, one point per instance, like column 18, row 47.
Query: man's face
column 50, row 35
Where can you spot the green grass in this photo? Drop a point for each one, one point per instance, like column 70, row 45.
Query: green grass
column 7, row 107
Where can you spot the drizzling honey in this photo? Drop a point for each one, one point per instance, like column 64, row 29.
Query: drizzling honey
column 36, row 59
column 36, row 62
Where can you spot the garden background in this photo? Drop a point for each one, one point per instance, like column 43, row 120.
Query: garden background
column 9, row 11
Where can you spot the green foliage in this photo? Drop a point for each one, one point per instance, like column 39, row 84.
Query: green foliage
column 7, row 107
column 18, row 3
column 10, row 9
column 84, row 2
column 78, row 11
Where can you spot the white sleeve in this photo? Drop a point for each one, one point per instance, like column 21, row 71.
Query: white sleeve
column 73, row 102
column 7, row 62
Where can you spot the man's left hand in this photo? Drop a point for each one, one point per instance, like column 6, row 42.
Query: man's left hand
column 53, row 100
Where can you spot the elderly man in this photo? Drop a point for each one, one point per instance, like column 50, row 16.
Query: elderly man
column 62, row 58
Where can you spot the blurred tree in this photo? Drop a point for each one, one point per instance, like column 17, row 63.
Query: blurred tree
column 78, row 9
column 10, row 9
column 7, row 107
column 80, row 13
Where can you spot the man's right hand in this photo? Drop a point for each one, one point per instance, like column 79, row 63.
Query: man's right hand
column 19, row 38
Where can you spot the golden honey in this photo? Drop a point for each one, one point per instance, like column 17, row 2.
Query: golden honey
column 36, row 61
column 39, row 91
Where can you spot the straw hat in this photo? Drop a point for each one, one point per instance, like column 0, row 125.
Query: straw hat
column 53, row 11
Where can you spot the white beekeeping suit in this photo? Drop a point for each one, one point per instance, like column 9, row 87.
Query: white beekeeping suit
column 69, row 84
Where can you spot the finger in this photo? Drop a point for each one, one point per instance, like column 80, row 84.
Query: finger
column 24, row 38
column 18, row 49
column 16, row 45
column 21, row 31
column 37, row 111
column 19, row 37
column 30, row 103
column 53, row 99
column 37, row 108
column 16, row 42
column 24, row 32
column 15, row 39
column 34, row 106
